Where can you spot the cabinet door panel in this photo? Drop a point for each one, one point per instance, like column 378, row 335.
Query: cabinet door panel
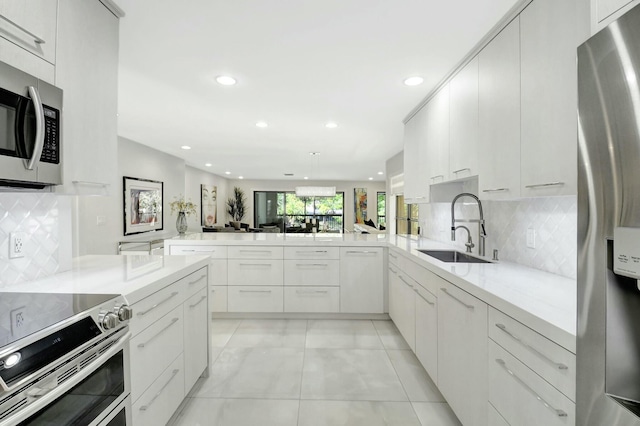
column 437, row 136
column 196, row 316
column 463, row 138
column 416, row 182
column 312, row 299
column 426, row 347
column 38, row 17
column 218, row 298
column 312, row 272
column 361, row 280
column 255, row 272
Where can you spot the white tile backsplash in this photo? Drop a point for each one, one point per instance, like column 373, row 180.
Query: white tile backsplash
column 37, row 215
column 554, row 220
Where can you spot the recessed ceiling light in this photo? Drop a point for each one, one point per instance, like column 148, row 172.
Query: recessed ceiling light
column 413, row 81
column 370, row 178
column 262, row 124
column 314, row 153
column 207, row 164
column 227, row 173
column 225, row 80
column 331, row 125
column 306, row 178
column 185, row 147
column 380, row 173
column 240, row 177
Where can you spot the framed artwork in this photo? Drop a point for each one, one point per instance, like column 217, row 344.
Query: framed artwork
column 360, row 204
column 142, row 205
column 208, row 204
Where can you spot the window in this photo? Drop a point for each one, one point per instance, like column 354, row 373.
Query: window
column 291, row 213
column 406, row 217
column 382, row 209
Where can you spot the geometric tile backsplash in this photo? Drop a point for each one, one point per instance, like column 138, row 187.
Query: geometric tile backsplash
column 37, row 215
column 553, row 219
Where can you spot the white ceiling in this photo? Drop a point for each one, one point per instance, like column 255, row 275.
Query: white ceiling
column 299, row 64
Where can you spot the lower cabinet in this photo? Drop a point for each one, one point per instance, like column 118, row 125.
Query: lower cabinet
column 494, row 418
column 462, row 353
column 260, row 298
column 426, row 347
column 196, row 332
column 406, row 316
column 361, row 280
column 311, row 299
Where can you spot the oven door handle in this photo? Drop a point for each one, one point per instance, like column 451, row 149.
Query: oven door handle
column 49, row 395
column 38, row 143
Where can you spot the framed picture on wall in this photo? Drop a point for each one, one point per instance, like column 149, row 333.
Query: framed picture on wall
column 208, row 204
column 360, row 204
column 142, row 205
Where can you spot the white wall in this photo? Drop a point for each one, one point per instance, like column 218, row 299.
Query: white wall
column 249, row 186
column 196, row 177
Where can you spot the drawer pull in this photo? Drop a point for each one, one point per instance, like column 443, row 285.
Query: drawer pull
column 543, row 185
column 471, row 307
column 198, row 302
column 424, row 298
column 405, row 281
column 268, row 265
column 311, row 264
column 173, row 321
column 312, row 291
column 198, row 251
column 557, row 412
column 174, row 373
column 143, row 313
column 495, row 190
column 393, row 270
column 558, row 365
column 199, row 279
column 393, row 255
column 437, row 176
column 360, row 252
column 455, row 172
column 255, row 291
column 311, row 252
column 36, row 39
column 255, row 251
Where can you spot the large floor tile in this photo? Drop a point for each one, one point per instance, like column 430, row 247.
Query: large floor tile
column 359, row 334
column 273, row 373
column 238, row 412
column 350, row 374
column 356, row 413
column 435, row 414
column 414, row 378
column 221, row 330
column 389, row 335
column 270, row 334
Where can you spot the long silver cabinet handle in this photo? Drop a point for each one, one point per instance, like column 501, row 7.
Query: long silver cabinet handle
column 542, row 185
column 556, row 411
column 198, row 302
column 558, row 365
column 255, row 291
column 393, row 255
column 198, row 251
column 143, row 313
column 461, row 170
column 360, row 252
column 405, row 281
column 424, row 298
column 495, row 190
column 311, row 252
column 312, row 291
column 174, row 373
column 311, row 264
column 36, row 39
column 87, row 182
column 437, row 176
column 199, row 279
column 268, row 265
column 255, row 251
column 393, row 270
column 444, row 290
column 173, row 321
column 29, row 163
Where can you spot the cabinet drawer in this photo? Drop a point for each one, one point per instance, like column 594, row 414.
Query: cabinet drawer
column 255, row 299
column 554, row 363
column 215, row 252
column 196, row 343
column 218, row 272
column 218, row 298
column 312, row 272
column 426, row 345
column 255, row 252
column 153, row 350
column 162, row 399
column 395, row 259
column 195, row 282
column 421, row 275
column 521, row 396
column 255, row 272
column 312, row 253
column 150, row 309
column 312, row 299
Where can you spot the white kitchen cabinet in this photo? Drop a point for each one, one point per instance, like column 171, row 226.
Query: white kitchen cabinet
column 87, row 71
column 255, row 252
column 311, row 299
column 463, row 136
column 256, row 298
column 361, row 280
column 218, row 298
column 195, row 337
column 317, row 253
column 255, row 272
column 549, row 138
column 462, row 353
column 312, row 272
column 426, row 329
column 416, row 174
column 405, row 310
column 606, row 11
column 437, row 136
column 499, row 115
column 32, row 33
column 494, row 418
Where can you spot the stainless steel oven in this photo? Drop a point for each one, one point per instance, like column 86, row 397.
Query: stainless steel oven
column 74, row 371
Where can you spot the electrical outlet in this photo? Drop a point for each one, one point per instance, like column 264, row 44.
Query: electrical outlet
column 18, row 320
column 531, row 238
column 16, row 245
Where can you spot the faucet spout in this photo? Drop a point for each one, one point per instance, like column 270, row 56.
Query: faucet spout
column 482, row 233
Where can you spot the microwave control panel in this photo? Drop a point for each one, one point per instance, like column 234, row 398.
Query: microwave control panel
column 51, row 148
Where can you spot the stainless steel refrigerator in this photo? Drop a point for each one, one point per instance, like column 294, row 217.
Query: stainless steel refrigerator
column 608, row 349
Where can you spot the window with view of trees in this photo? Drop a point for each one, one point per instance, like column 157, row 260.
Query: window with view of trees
column 382, row 209
column 406, row 217
column 290, row 213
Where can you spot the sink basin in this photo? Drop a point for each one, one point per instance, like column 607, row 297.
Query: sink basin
column 453, row 256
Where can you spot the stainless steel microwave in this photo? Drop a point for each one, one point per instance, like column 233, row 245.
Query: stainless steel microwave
column 30, row 140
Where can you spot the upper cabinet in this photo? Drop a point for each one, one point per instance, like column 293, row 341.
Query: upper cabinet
column 437, row 136
column 87, row 72
column 549, row 97
column 463, row 130
column 416, row 186
column 28, row 36
column 604, row 12
column 499, row 115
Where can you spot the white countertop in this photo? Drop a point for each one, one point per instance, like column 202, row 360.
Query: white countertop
column 134, row 276
column 267, row 238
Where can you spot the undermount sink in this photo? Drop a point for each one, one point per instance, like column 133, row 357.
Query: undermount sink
column 453, row 256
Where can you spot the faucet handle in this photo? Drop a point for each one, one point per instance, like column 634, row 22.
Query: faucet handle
column 453, row 233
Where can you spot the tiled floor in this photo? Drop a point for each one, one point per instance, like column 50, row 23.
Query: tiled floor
column 313, row 373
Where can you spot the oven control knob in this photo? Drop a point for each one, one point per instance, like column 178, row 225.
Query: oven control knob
column 109, row 321
column 125, row 313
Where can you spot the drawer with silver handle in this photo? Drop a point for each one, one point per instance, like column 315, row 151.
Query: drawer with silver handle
column 312, row 253
column 312, row 272
column 255, row 299
column 148, row 310
column 255, row 252
column 255, row 272
column 551, row 361
column 196, row 282
column 312, row 299
column 215, row 252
